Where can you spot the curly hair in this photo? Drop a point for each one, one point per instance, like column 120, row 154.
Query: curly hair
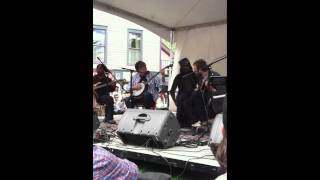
column 139, row 65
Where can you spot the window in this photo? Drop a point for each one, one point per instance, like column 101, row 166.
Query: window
column 134, row 46
column 99, row 44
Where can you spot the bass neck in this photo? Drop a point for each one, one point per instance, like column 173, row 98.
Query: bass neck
column 152, row 77
column 156, row 74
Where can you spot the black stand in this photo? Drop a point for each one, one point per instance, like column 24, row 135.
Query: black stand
column 205, row 104
column 211, row 99
column 131, row 92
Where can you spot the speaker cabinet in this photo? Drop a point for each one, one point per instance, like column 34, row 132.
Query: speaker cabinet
column 151, row 128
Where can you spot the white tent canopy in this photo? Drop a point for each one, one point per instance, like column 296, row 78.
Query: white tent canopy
column 199, row 26
column 161, row 16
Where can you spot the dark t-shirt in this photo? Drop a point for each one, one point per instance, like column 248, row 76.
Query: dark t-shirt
column 185, row 84
column 104, row 80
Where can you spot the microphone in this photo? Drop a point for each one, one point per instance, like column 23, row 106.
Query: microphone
column 219, row 59
column 128, row 69
column 169, row 66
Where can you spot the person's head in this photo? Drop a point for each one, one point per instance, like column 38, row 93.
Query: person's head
column 185, row 66
column 101, row 68
column 200, row 67
column 221, row 153
column 141, row 68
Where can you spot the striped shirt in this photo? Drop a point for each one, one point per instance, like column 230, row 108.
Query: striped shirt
column 107, row 166
column 153, row 85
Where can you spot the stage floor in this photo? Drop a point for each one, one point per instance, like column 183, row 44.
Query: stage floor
column 189, row 157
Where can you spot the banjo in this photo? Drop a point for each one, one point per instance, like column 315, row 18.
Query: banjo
column 138, row 93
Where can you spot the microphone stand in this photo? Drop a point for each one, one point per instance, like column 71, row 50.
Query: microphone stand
column 131, row 91
column 219, row 59
column 205, row 103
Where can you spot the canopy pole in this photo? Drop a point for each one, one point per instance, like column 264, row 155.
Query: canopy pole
column 171, row 45
column 171, row 69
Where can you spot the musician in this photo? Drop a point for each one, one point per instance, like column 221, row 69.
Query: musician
column 211, row 86
column 186, row 83
column 201, row 98
column 103, row 93
column 150, row 96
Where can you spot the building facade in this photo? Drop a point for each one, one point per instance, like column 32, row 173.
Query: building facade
column 120, row 43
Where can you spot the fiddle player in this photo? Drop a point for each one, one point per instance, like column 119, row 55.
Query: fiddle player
column 103, row 93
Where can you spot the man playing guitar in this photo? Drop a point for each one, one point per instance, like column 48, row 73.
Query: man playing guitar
column 200, row 99
column 103, row 93
column 151, row 93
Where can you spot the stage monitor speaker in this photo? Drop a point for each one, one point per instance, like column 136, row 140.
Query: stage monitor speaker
column 150, row 128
